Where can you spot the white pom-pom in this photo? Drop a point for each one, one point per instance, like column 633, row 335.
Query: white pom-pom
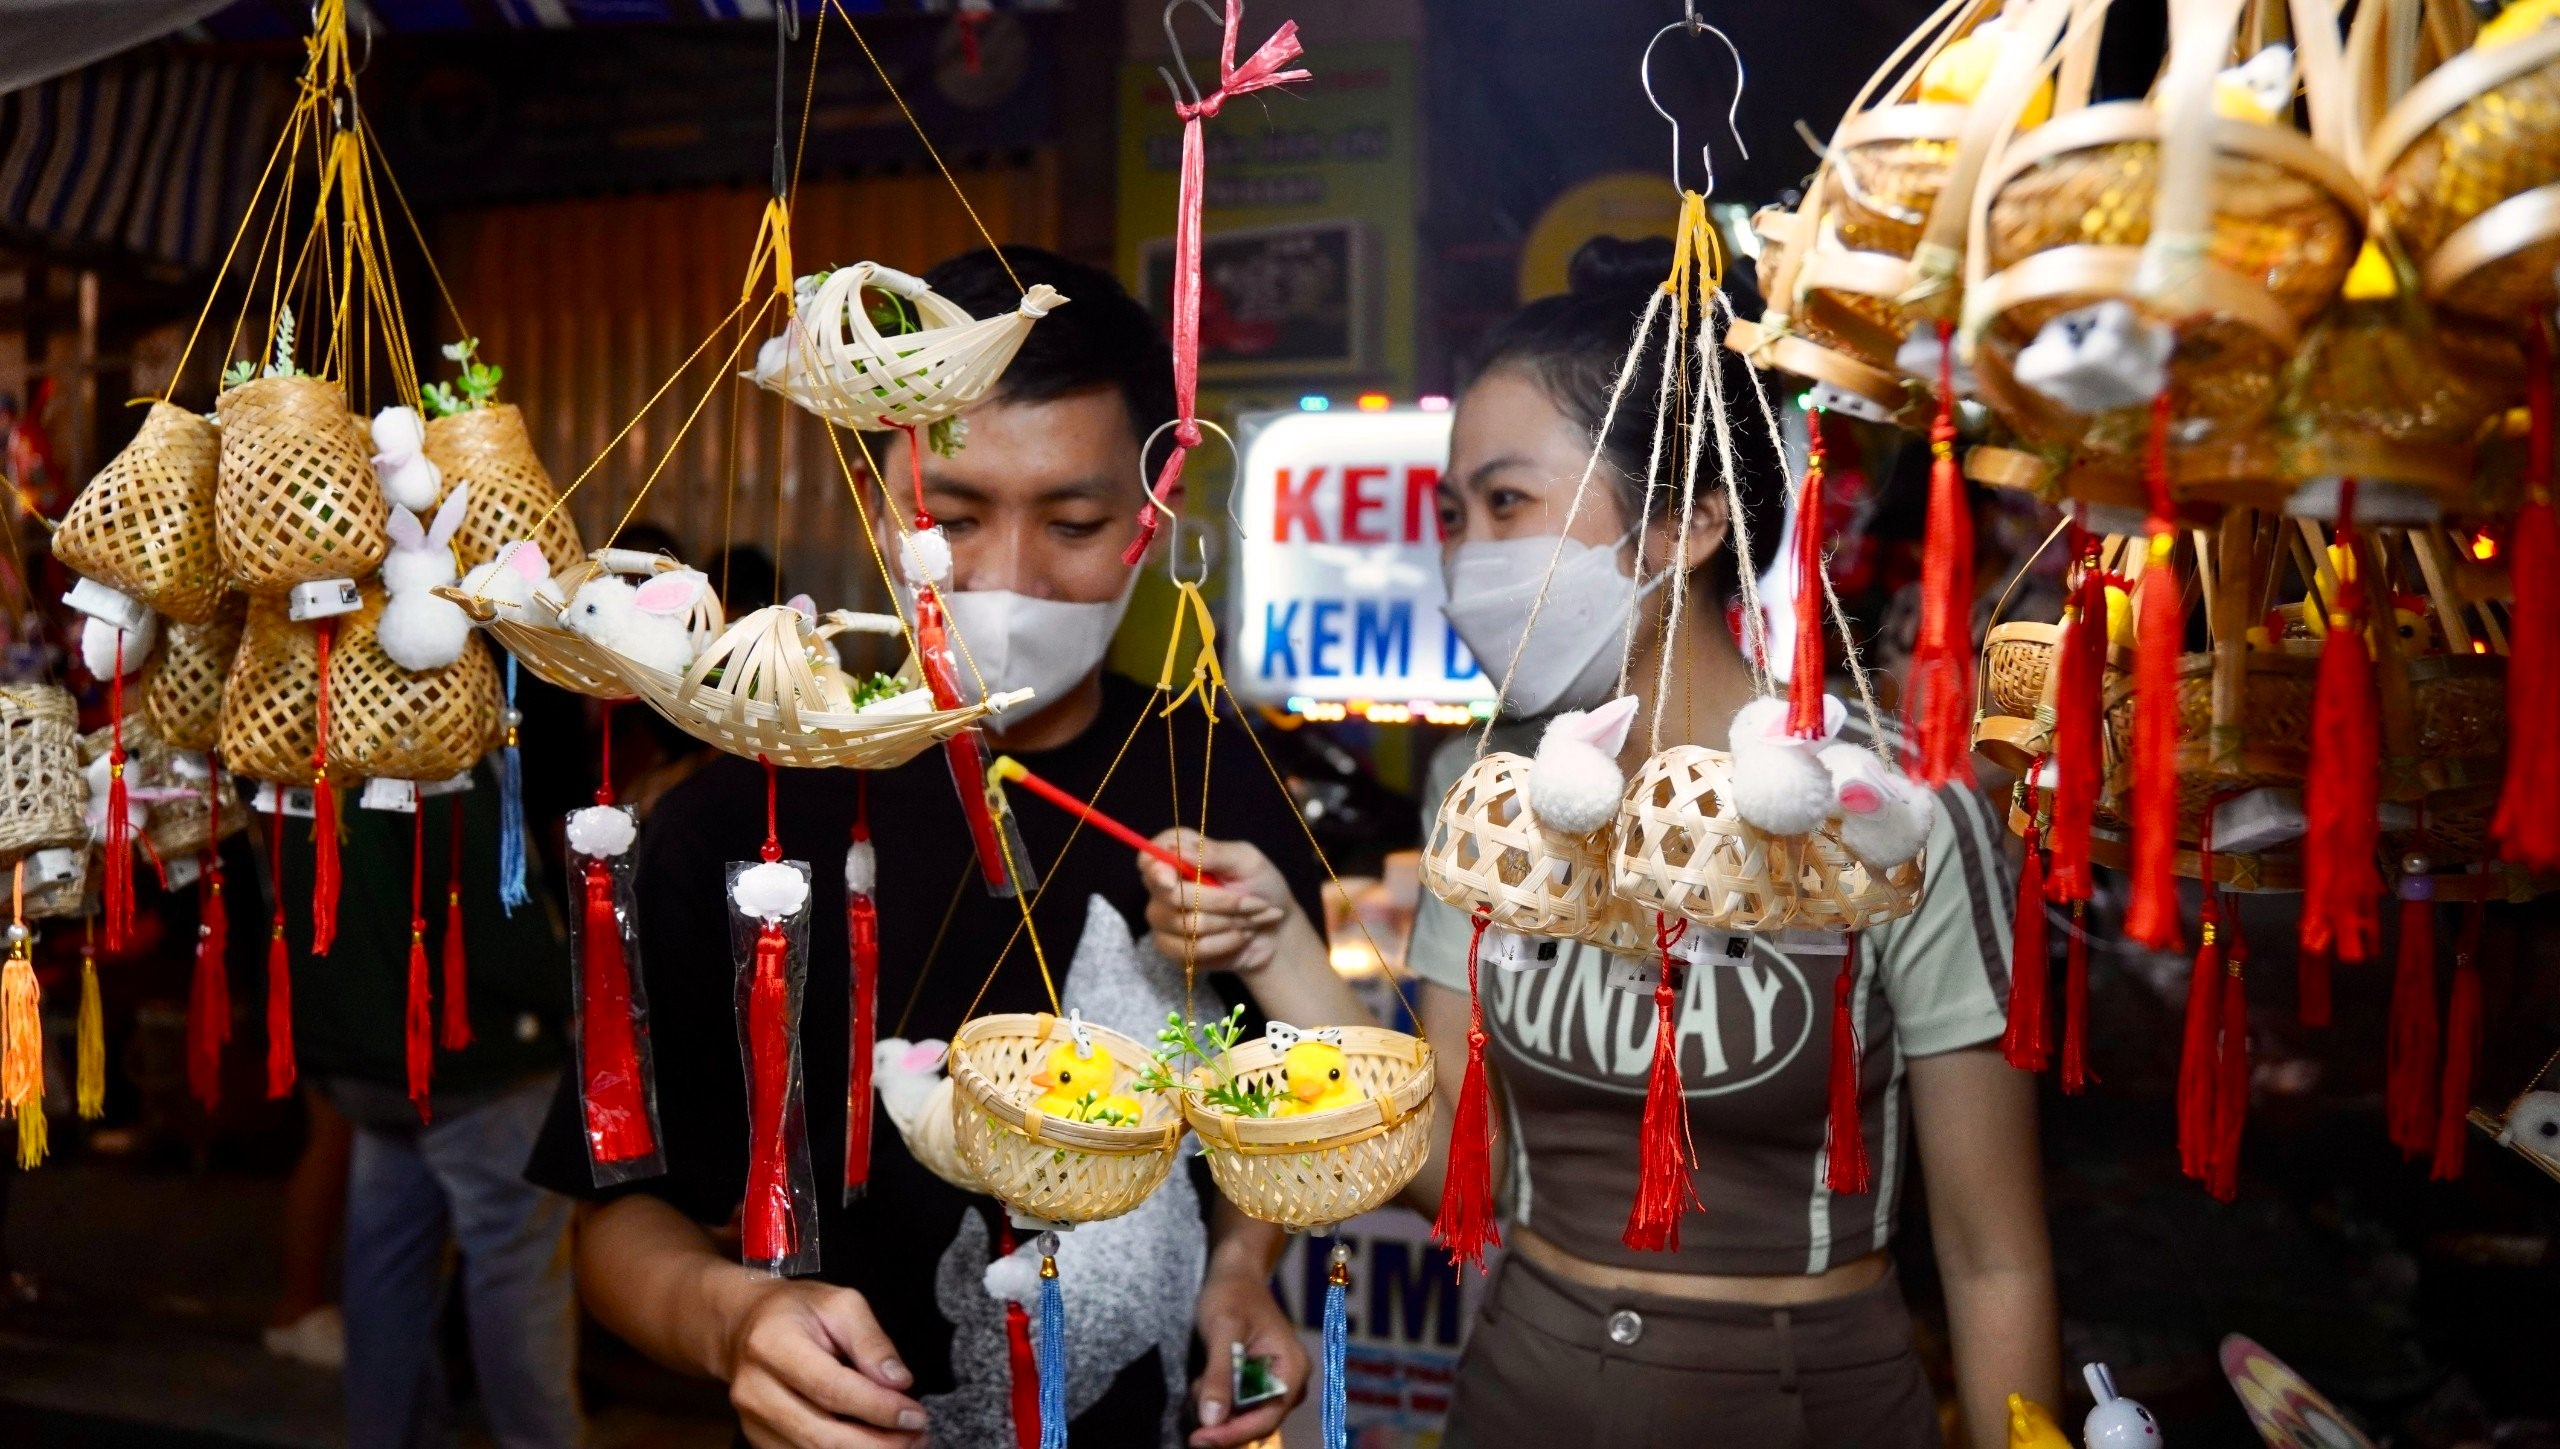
column 925, row 557
column 2533, row 1124
column 861, row 868
column 98, row 645
column 601, row 830
column 1575, row 783
column 1777, row 783
column 1015, row 1278
column 398, row 433
column 770, row 891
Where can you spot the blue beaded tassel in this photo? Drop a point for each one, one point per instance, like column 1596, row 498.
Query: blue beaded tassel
column 1053, row 1349
column 511, row 886
column 1334, row 1407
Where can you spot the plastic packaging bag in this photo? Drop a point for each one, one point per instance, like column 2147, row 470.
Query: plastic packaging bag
column 617, row 1077
column 769, row 940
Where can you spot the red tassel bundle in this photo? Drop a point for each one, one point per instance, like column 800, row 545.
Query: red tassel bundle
column 1844, row 1138
column 1465, row 1225
column 455, row 1032
column 2199, row 1055
column 770, row 1233
column 2027, row 1044
column 617, row 1114
column 862, row 931
column 2078, row 719
column 1664, row 1187
column 1026, row 1376
column 2527, row 828
column 1941, row 713
column 2462, row 1020
column 968, row 762
column 117, row 892
column 279, row 974
column 2312, row 987
column 1806, row 678
column 2341, row 885
column 2409, row 1081
column 324, row 815
column 2151, row 916
column 2231, row 1078
column 418, row 1019
column 209, row 994
column 2076, row 1075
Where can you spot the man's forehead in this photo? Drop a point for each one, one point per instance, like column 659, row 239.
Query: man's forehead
column 1078, row 444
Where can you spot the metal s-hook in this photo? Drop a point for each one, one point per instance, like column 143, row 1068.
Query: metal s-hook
column 1691, row 24
column 1187, row 91
column 1173, row 516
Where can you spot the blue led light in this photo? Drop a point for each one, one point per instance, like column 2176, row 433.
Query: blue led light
column 1315, row 402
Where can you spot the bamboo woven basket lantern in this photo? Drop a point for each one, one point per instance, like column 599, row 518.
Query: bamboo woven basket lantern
column 838, row 365
column 1308, row 1173
column 511, row 495
column 269, row 730
column 183, row 696
column 2065, row 213
column 180, row 825
column 1046, row 1167
column 388, row 723
column 1683, row 850
column 767, row 700
column 571, row 661
column 1488, row 853
column 297, row 500
column 2465, row 167
column 145, row 525
column 1779, row 343
column 41, row 788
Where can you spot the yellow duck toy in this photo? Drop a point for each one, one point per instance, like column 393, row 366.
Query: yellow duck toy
column 2516, row 22
column 1318, row 1072
column 1958, row 73
column 2031, row 1426
column 1077, row 1083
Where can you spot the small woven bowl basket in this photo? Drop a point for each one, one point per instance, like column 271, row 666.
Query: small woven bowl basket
column 41, row 788
column 297, row 500
column 144, row 525
column 489, row 449
column 268, row 725
column 183, row 697
column 1487, row 851
column 1041, row 1166
column 1683, row 850
column 387, row 723
column 1310, row 1172
column 572, row 661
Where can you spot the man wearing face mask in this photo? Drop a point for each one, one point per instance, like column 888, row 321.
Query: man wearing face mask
column 898, row 1333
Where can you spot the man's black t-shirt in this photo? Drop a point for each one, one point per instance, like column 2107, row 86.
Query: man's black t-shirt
column 891, row 1243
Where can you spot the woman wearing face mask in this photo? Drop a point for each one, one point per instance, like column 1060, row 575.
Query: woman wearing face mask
column 1777, row 1318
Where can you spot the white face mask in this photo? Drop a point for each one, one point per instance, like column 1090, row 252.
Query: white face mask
column 1571, row 662
column 1043, row 645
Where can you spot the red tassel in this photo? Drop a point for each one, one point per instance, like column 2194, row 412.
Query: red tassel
column 2527, row 827
column 2199, row 1057
column 2078, row 718
column 455, row 1034
column 2231, row 1096
column 1664, row 1187
column 617, row 1112
column 2151, row 916
column 2409, row 1082
column 862, row 929
column 2341, row 885
column 209, row 998
column 2461, row 1052
column 117, row 892
column 280, row 1071
column 1466, row 1224
column 771, row 1233
column 1941, row 713
column 2028, row 1042
column 961, row 751
column 2076, row 1075
column 1805, row 681
column 1844, row 1142
column 324, row 815
column 2313, row 988
column 418, row 1020
column 1026, row 1376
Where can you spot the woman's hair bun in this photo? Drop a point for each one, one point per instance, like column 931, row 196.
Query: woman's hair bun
column 1615, row 265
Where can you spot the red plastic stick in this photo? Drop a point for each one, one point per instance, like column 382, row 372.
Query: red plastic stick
column 1008, row 768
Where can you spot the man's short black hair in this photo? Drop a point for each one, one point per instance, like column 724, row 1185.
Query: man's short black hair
column 1100, row 337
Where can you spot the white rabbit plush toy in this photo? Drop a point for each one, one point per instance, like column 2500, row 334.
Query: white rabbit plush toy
column 1885, row 815
column 1574, row 783
column 645, row 625
column 518, row 585
column 98, row 644
column 1778, row 782
column 2099, row 357
column 409, row 478
column 418, row 630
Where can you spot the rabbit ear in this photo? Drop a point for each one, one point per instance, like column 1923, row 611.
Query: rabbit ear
column 804, row 606
column 668, row 593
column 525, row 557
column 404, row 529
column 1605, row 728
column 1861, row 797
column 449, row 517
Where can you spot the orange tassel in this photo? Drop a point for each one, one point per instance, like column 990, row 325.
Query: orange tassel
column 1465, row 1225
column 2341, row 885
column 2151, row 916
column 1805, row 681
column 1941, row 672
column 2076, row 1075
column 1664, row 1188
column 1844, row 1138
column 2461, row 1052
column 2527, row 828
column 419, row 1018
column 455, row 1033
column 324, row 815
column 2231, row 1098
column 2199, row 1057
column 22, row 1047
column 117, row 892
column 2027, row 1044
column 2409, row 1082
column 2078, row 762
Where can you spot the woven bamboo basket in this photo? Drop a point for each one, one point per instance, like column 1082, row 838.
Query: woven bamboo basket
column 511, row 495
column 1041, row 1166
column 1309, row 1173
column 2384, row 391
column 1488, row 852
column 387, row 723
column 177, row 823
column 144, row 525
column 183, row 696
column 297, row 500
column 268, row 724
column 1682, row 850
column 41, row 789
column 2016, row 657
column 768, row 701
column 571, row 661
column 838, row 366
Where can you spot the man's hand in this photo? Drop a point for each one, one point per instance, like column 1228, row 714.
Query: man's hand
column 1236, row 1306
column 1234, row 925
column 809, row 1368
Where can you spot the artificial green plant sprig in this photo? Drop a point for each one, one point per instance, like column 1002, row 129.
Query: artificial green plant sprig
column 477, row 387
column 1182, row 1043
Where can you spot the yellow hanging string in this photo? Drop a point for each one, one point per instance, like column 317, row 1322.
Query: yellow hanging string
column 22, row 1029
column 92, row 1095
column 1694, row 243
column 1207, row 677
column 773, row 242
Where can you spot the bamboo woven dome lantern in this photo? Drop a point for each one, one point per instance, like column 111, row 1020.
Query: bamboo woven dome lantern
column 838, row 365
column 1683, row 850
column 145, row 525
column 1487, row 852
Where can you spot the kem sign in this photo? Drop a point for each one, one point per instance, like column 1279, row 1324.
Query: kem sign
column 1338, row 581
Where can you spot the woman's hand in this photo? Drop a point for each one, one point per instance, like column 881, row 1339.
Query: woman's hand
column 809, row 1368
column 1236, row 1306
column 1235, row 925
